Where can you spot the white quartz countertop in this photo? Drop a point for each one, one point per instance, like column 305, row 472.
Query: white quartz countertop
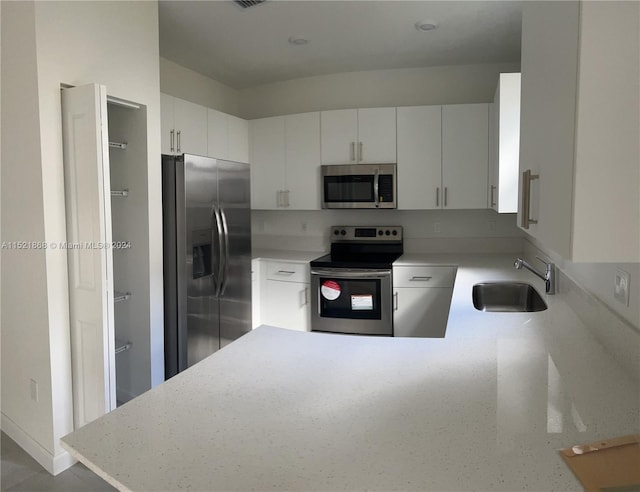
column 485, row 408
column 286, row 255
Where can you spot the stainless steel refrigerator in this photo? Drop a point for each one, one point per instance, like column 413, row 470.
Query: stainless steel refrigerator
column 207, row 257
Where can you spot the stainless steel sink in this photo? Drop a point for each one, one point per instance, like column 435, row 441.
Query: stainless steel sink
column 507, row 297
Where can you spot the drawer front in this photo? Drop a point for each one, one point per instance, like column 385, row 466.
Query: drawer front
column 287, row 271
column 424, row 276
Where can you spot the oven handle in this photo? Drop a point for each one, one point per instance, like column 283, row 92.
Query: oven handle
column 346, row 273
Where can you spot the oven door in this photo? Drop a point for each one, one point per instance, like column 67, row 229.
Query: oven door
column 355, row 301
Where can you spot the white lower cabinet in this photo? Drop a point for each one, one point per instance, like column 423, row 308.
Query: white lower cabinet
column 421, row 300
column 285, row 295
column 256, row 319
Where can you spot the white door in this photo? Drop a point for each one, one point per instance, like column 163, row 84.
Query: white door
column 339, row 135
column 465, row 155
column 286, row 305
column 376, row 135
column 237, row 139
column 421, row 312
column 168, row 138
column 419, row 157
column 217, row 134
column 88, row 209
column 190, row 121
column 267, row 163
column 303, row 160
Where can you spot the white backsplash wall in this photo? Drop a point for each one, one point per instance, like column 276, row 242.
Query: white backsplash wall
column 596, row 278
column 588, row 289
column 425, row 231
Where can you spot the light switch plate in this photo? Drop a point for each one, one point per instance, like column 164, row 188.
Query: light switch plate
column 621, row 287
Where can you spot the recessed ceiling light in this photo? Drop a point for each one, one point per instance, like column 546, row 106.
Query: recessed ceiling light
column 298, row 40
column 426, row 25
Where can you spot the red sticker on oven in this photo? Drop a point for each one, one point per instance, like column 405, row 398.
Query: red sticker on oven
column 330, row 290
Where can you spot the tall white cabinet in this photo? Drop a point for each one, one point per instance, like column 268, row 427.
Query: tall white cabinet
column 579, row 128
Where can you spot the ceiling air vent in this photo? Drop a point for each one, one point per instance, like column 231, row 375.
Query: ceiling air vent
column 245, row 4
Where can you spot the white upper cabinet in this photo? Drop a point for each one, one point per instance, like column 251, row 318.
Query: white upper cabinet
column 302, row 161
column 194, row 129
column 267, row 162
column 285, row 157
column 465, row 155
column 504, row 144
column 579, row 128
column 376, row 135
column 339, row 136
column 228, row 136
column 443, row 156
column 358, row 136
column 237, row 139
column 217, row 145
column 184, row 126
column 419, row 157
column 168, row 137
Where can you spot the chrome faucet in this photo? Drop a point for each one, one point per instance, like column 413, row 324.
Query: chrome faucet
column 549, row 276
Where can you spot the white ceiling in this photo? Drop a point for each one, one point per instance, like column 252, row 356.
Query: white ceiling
column 248, row 47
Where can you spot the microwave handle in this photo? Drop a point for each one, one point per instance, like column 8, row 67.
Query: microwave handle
column 376, row 187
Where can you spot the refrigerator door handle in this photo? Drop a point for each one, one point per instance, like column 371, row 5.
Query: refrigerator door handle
column 218, row 274
column 225, row 256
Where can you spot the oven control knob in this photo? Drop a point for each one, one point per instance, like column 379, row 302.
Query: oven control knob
column 387, row 232
column 343, row 232
column 336, row 232
column 394, row 232
column 380, row 233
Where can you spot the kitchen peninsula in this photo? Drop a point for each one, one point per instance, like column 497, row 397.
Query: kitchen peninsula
column 485, row 408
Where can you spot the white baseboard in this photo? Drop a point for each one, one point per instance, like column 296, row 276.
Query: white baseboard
column 54, row 464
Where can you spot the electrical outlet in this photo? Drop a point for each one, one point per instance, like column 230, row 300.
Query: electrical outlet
column 621, row 287
column 436, row 227
column 33, row 387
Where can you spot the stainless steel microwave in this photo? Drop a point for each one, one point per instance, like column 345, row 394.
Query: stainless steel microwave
column 359, row 186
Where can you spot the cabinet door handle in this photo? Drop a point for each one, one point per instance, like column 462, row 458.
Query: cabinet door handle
column 353, row 151
column 527, row 177
column 172, row 133
column 445, row 196
column 493, row 203
column 285, row 272
column 437, row 196
column 359, row 151
column 421, row 279
column 178, row 140
column 305, row 296
column 286, row 198
column 395, row 300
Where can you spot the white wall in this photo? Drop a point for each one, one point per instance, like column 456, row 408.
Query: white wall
column 111, row 43
column 184, row 83
column 597, row 278
column 25, row 320
column 376, row 88
column 459, row 230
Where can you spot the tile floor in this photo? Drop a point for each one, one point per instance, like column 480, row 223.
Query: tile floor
column 20, row 472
